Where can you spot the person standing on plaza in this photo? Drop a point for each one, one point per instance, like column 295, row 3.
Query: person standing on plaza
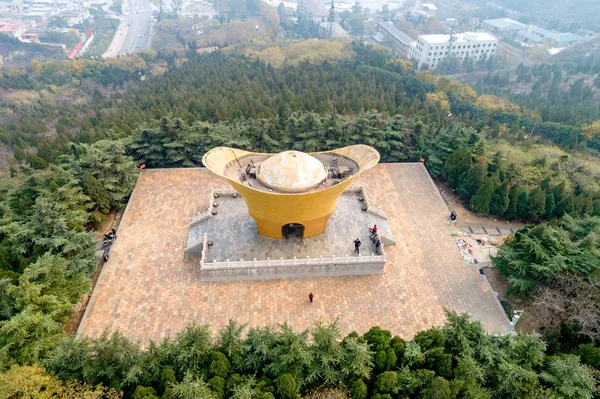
column 310, row 297
column 357, row 246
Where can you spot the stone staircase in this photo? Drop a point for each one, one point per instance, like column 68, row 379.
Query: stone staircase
column 198, row 228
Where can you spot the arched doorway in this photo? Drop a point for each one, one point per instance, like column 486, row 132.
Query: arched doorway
column 292, row 230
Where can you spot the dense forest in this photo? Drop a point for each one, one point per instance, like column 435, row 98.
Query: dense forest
column 94, row 100
column 77, row 131
column 458, row 360
column 559, row 92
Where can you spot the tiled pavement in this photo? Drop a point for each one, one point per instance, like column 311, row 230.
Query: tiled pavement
column 234, row 224
column 148, row 291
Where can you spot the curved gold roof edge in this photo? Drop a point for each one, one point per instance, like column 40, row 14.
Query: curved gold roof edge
column 216, row 159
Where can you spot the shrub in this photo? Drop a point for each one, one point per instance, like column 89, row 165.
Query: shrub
column 220, row 365
column 589, row 355
column 217, row 384
column 142, row 392
column 387, row 382
column 358, row 390
column 439, row 388
column 287, row 387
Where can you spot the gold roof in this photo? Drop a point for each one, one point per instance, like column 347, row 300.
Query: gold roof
column 291, row 171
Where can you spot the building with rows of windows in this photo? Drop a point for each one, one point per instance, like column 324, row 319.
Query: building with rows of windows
column 431, row 49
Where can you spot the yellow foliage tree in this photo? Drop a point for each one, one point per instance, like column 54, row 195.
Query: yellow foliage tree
column 592, row 130
column 463, row 91
column 439, row 98
column 492, row 103
column 35, row 382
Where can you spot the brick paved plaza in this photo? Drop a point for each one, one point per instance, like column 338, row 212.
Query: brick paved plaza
column 148, row 291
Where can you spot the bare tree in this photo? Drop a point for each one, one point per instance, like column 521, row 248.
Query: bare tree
column 569, row 299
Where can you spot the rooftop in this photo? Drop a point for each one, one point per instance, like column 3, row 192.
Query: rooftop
column 397, row 33
column 505, row 24
column 530, row 36
column 429, row 6
column 315, row 8
column 543, row 32
column 338, row 31
column 6, row 28
column 566, row 37
column 459, row 37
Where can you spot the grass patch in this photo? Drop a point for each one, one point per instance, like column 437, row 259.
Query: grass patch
column 533, row 162
column 104, row 30
column 314, row 51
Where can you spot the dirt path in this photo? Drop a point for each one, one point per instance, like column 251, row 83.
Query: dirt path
column 112, row 220
column 468, row 218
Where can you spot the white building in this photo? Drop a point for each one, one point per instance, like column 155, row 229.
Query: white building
column 504, row 27
column 13, row 30
column 431, row 49
column 313, row 11
column 399, row 40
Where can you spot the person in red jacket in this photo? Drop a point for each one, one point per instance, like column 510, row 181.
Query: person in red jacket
column 310, row 297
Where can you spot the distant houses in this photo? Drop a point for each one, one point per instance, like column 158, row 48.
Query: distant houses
column 394, row 37
column 313, row 11
column 509, row 28
column 15, row 30
column 504, row 27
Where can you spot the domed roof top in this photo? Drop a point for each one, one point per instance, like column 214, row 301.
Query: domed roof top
column 291, row 171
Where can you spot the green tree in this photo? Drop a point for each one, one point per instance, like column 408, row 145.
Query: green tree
column 500, row 200
column 193, row 388
column 550, row 205
column 358, row 390
column 94, row 189
column 457, row 163
column 537, row 204
column 439, row 388
column 471, row 181
column 569, row 378
column 523, row 203
column 387, row 382
column 482, row 199
column 287, row 387
column 513, row 197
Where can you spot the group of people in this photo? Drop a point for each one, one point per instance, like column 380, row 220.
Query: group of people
column 375, row 239
column 109, row 238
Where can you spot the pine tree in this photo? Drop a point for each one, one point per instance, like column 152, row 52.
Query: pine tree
column 457, row 163
column 500, row 199
column 481, row 200
column 537, row 204
column 523, row 203
column 471, row 181
column 550, row 205
column 94, row 189
column 566, row 206
column 511, row 209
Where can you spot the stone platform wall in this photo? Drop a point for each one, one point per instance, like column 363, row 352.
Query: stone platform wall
column 289, row 268
column 286, row 268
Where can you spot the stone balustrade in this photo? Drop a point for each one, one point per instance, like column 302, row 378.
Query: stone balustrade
column 288, row 268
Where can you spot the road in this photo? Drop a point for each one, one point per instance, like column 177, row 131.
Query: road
column 139, row 26
column 134, row 30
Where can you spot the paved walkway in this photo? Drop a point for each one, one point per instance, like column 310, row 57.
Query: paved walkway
column 148, row 291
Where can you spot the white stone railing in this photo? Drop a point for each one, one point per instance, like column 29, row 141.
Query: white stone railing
column 204, row 253
column 287, row 268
